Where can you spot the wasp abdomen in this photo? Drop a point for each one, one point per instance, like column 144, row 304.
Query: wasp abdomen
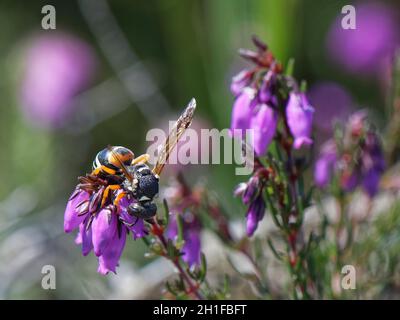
column 107, row 162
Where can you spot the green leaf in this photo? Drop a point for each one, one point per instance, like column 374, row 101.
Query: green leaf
column 166, row 212
column 274, row 251
column 179, row 223
column 273, row 211
column 146, row 241
column 303, row 86
column 290, row 67
column 171, row 289
column 203, row 267
column 226, row 286
column 171, row 250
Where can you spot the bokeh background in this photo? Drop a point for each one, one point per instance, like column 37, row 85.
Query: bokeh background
column 112, row 70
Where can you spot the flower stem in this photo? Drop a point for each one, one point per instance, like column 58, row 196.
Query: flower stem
column 193, row 287
column 292, row 239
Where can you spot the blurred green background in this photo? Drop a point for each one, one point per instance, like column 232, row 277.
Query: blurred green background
column 147, row 59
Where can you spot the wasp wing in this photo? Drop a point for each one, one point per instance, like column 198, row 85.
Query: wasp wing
column 183, row 122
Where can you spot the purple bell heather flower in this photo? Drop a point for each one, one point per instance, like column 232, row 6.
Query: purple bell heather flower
column 58, row 67
column 78, row 238
column 254, row 215
column 191, row 235
column 85, row 232
column 325, row 165
column 299, row 114
column 104, row 226
column 101, row 228
column 72, row 215
column 241, row 113
column 264, row 127
column 363, row 49
column 240, row 81
column 109, row 259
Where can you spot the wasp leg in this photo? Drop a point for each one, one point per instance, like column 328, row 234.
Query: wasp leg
column 136, row 210
column 107, row 191
column 144, row 158
column 104, row 169
column 132, row 224
column 144, row 211
column 118, row 198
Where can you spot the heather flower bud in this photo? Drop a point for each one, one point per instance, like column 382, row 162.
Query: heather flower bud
column 252, row 190
column 264, row 127
column 299, row 114
column 240, row 189
column 240, row 81
column 241, row 113
column 254, row 215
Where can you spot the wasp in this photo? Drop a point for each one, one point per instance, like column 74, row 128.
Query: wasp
column 116, row 168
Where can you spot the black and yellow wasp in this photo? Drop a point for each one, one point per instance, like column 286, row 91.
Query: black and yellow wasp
column 116, row 168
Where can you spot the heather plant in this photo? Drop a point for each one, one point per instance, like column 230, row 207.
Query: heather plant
column 279, row 199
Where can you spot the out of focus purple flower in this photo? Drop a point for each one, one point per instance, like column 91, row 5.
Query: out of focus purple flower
column 349, row 180
column 363, row 49
column 57, row 67
column 373, row 164
column 325, row 164
column 264, row 127
column 101, row 228
column 331, row 102
column 356, row 159
column 191, row 235
column 299, row 114
column 254, row 215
